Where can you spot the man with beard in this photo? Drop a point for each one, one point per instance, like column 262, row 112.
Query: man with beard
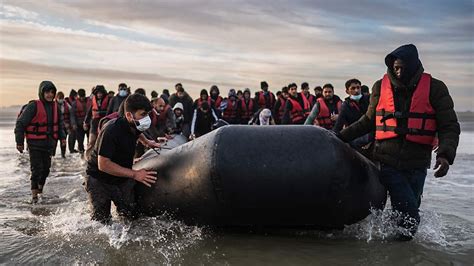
column 326, row 109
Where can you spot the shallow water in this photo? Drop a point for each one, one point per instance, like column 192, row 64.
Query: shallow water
column 58, row 230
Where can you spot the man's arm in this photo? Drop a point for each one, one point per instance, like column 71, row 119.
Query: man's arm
column 286, row 114
column 341, row 119
column 144, row 176
column 21, row 123
column 314, row 113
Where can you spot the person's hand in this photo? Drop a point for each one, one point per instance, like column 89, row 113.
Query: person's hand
column 334, row 117
column 20, row 148
column 85, row 126
column 145, row 176
column 192, row 137
column 153, row 144
column 63, row 142
column 441, row 167
column 168, row 136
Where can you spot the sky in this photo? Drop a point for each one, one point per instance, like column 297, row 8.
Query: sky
column 233, row 44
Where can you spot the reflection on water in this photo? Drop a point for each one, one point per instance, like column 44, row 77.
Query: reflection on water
column 58, row 230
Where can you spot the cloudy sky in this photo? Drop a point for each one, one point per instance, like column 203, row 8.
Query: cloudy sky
column 234, row 44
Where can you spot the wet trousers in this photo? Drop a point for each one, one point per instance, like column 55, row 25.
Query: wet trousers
column 101, row 195
column 405, row 188
column 40, row 163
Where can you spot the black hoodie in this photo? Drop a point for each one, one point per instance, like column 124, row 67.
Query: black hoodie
column 409, row 55
column 30, row 112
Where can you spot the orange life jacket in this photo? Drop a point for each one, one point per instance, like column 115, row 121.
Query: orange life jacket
column 217, row 102
column 306, row 105
column 261, row 99
column 296, row 113
column 421, row 126
column 99, row 111
column 324, row 116
column 66, row 113
column 161, row 118
column 199, row 102
column 38, row 127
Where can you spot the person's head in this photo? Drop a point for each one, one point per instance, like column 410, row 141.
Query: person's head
column 60, row 97
column 328, row 91
column 159, row 104
column 99, row 91
column 247, row 94
column 265, row 116
column 178, row 86
column 292, row 90
column 305, row 87
column 166, row 92
column 111, row 94
column 284, row 92
column 278, row 94
column 318, row 91
column 178, row 109
column 365, row 90
column 205, row 107
column 72, row 94
column 154, row 94
column 180, row 92
column 264, row 85
column 140, row 91
column 403, row 62
column 123, row 90
column 240, row 94
column 232, row 95
column 353, row 87
column 82, row 94
column 203, row 95
column 214, row 91
column 137, row 108
column 47, row 91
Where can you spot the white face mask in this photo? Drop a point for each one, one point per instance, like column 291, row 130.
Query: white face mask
column 123, row 93
column 143, row 124
column 60, row 101
column 356, row 97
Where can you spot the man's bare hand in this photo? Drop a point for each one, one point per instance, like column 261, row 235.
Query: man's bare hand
column 145, row 176
column 20, row 148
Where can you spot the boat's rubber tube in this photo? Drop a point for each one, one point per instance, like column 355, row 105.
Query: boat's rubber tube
column 282, row 176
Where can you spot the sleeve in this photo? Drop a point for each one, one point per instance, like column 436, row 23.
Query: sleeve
column 23, row 121
column 88, row 117
column 107, row 143
column 341, row 119
column 61, row 133
column 170, row 123
column 193, row 123
column 72, row 114
column 314, row 113
column 110, row 107
column 447, row 124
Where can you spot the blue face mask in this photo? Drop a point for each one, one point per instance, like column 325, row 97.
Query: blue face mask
column 123, row 93
column 356, row 97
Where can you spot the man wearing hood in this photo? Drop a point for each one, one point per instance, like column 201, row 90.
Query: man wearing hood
column 215, row 96
column 123, row 92
column 408, row 110
column 181, row 96
column 42, row 125
column 97, row 111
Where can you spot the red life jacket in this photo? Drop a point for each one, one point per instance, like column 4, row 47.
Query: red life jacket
column 306, row 105
column 199, row 102
column 421, row 126
column 281, row 110
column 66, row 113
column 247, row 112
column 80, row 111
column 231, row 111
column 38, row 127
column 217, row 102
column 262, row 102
column 99, row 111
column 296, row 113
column 324, row 116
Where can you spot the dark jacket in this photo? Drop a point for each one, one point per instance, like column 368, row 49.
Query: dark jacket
column 114, row 104
column 398, row 152
column 29, row 113
column 351, row 111
column 187, row 102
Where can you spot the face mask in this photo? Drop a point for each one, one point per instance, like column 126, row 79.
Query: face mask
column 143, row 124
column 60, row 101
column 123, row 93
column 356, row 97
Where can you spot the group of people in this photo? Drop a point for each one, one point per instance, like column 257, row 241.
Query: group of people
column 407, row 113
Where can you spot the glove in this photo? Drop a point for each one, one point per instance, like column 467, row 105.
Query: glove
column 441, row 167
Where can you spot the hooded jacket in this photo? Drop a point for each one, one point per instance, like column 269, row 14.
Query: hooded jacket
column 30, row 112
column 187, row 103
column 398, row 152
